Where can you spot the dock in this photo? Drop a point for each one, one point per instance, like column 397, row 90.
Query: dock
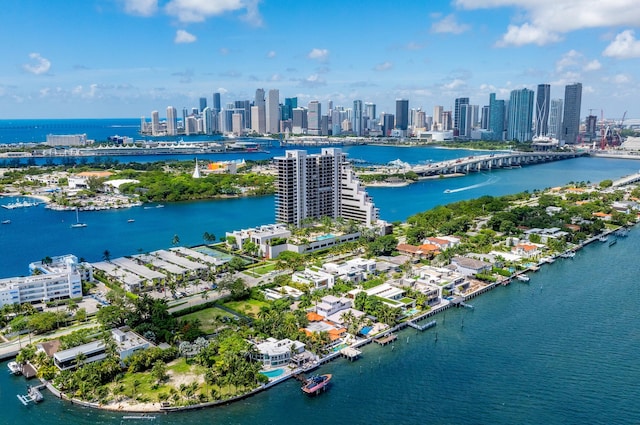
column 384, row 340
column 424, row 327
column 33, row 395
column 350, row 353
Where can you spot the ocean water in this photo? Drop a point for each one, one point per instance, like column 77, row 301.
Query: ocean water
column 559, row 350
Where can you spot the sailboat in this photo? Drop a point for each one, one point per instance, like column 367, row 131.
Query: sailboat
column 77, row 224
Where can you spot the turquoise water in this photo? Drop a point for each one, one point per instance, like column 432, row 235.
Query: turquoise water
column 561, row 350
column 274, row 373
column 213, row 252
column 323, row 237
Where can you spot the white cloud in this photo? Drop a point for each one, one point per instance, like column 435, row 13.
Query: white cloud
column 594, row 65
column 224, row 51
column 183, row 36
column 624, row 46
column 200, row 10
column 449, row 25
column 141, row 7
column 275, row 77
column 271, row 54
column 319, row 54
column 455, row 84
column 620, row 79
column 527, row 34
column 38, row 65
column 313, row 80
column 568, row 60
column 384, row 66
column 542, row 21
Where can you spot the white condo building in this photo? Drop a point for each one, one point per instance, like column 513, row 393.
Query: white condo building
column 320, row 185
column 60, row 278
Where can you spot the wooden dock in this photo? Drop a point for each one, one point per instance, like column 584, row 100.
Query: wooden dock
column 33, row 395
column 386, row 339
column 350, row 353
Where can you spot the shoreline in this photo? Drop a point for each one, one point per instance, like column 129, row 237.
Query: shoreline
column 156, row 407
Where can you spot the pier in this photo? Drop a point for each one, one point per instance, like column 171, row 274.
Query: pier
column 424, row 327
column 33, row 395
column 350, row 353
column 387, row 339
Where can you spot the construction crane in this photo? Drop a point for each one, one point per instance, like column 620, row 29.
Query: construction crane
column 622, row 120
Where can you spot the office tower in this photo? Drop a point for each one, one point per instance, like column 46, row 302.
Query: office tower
column 370, row 110
column 336, row 122
column 437, row 116
column 155, row 123
column 287, row 110
column 456, row 112
column 555, row 118
column 388, row 122
column 591, row 126
column 172, row 121
column 191, row 125
column 571, row 117
column 320, row 185
column 484, row 118
column 185, row 114
column 209, row 121
column 324, row 125
column 216, row 103
column 465, row 123
column 543, row 99
column 261, row 119
column 329, row 106
column 420, row 120
column 357, row 118
column 402, row 114
column 496, row 117
column 299, row 123
column 237, row 122
column 203, row 103
column 273, row 111
column 446, row 124
column 314, row 114
column 520, row 115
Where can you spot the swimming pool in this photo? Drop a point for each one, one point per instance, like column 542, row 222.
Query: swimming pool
column 274, row 373
column 323, row 237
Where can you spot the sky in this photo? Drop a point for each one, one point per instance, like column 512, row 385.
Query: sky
column 125, row 58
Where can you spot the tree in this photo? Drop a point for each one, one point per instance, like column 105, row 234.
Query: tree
column 209, row 237
column 175, row 240
column 106, row 255
column 159, row 371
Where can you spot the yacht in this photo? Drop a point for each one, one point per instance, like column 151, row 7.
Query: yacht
column 77, row 224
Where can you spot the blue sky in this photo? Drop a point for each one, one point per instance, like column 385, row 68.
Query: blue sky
column 125, row 58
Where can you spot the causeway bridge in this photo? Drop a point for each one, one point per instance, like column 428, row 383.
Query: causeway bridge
column 491, row 161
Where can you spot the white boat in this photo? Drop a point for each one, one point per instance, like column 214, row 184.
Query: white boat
column 77, row 224
column 523, row 278
column 130, row 220
column 14, row 368
column 6, row 221
column 447, row 191
column 568, row 254
column 603, row 238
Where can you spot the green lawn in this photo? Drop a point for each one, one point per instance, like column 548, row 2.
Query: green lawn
column 247, row 307
column 207, row 317
column 264, row 269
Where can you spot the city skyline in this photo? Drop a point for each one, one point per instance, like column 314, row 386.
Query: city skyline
column 124, row 58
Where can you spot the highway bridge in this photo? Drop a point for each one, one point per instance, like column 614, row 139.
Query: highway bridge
column 490, row 162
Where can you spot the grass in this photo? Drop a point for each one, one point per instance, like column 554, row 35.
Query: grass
column 248, row 307
column 264, row 269
column 207, row 317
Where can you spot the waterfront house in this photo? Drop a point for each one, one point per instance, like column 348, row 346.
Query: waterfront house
column 330, row 304
column 314, row 278
column 270, row 239
column 527, row 250
column 469, row 267
column 273, row 352
column 355, row 270
column 602, row 216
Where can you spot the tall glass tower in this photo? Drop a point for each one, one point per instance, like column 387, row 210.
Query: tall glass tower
column 520, row 115
column 543, row 97
column 571, row 118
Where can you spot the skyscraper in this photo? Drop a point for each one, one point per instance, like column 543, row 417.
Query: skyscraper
column 320, row 185
column 216, row 103
column 456, row 112
column 357, row 117
column 273, row 111
column 466, row 119
column 520, row 115
column 555, row 118
column 203, row 103
column 172, row 121
column 571, row 117
column 261, row 118
column 402, row 114
column 370, row 110
column 496, row 117
column 155, row 123
column 543, row 99
column 437, row 117
column 287, row 110
column 314, row 115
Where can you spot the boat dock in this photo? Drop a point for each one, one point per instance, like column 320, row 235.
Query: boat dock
column 350, row 353
column 424, row 327
column 33, row 394
column 387, row 339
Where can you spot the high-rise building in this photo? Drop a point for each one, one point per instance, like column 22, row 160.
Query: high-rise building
column 203, row 103
column 155, row 123
column 273, row 111
column 287, row 110
column 466, row 120
column 447, row 122
column 370, row 110
column 571, row 117
column 313, row 117
column 357, row 117
column 216, row 103
column 555, row 118
column 320, row 185
column 520, row 115
column 209, row 121
column 496, row 117
column 172, row 121
column 437, row 116
column 387, row 121
column 591, row 126
column 261, row 117
column 543, row 99
column 402, row 114
column 484, row 118
column 299, row 123
column 456, row 112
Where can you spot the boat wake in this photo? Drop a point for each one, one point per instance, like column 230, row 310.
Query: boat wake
column 473, row 186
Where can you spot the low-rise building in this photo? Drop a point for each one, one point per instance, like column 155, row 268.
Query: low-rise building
column 273, row 352
column 314, row 278
column 330, row 304
column 469, row 266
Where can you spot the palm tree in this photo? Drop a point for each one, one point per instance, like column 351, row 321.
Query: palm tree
column 106, row 255
column 208, row 237
column 175, row 240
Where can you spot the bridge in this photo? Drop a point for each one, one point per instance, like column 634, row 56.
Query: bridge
column 633, row 178
column 490, row 162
